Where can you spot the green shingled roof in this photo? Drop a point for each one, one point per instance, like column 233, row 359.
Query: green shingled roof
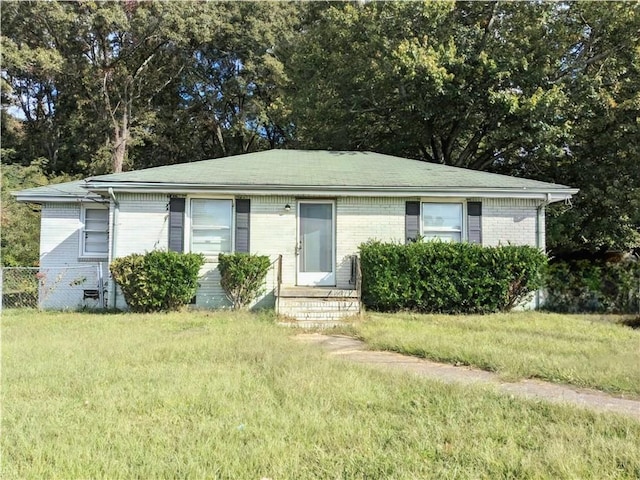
column 302, row 168
column 300, row 171
column 73, row 189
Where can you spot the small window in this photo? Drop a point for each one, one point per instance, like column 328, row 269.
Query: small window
column 442, row 221
column 95, row 232
column 210, row 226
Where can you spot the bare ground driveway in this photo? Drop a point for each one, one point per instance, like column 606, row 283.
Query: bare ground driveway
column 356, row 351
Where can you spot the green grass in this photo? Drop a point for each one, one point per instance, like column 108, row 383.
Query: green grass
column 579, row 350
column 224, row 395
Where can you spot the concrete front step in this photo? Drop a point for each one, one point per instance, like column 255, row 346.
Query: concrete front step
column 317, row 305
column 317, row 292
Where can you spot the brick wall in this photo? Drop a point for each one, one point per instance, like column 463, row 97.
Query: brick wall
column 142, row 226
column 509, row 221
column 359, row 219
column 63, row 274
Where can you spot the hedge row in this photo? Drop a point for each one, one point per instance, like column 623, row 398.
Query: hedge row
column 587, row 286
column 442, row 277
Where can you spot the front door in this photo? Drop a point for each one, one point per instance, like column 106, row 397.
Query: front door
column 316, row 240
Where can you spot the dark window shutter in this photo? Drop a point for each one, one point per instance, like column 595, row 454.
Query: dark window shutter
column 474, row 220
column 176, row 224
column 243, row 209
column 412, row 221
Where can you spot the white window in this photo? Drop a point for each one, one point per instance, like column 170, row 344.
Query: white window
column 210, row 226
column 95, row 232
column 442, row 221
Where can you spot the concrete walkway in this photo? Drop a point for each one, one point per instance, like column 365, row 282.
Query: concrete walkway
column 356, row 351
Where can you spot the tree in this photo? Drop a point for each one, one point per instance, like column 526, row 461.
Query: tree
column 98, row 69
column 20, row 223
column 29, row 71
column 126, row 54
column 603, row 151
column 230, row 94
column 113, row 85
column 522, row 88
column 441, row 82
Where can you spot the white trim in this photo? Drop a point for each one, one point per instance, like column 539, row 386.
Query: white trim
column 82, row 253
column 552, row 194
column 330, row 278
column 464, row 228
column 59, row 198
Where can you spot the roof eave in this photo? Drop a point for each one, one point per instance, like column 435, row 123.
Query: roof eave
column 34, row 198
column 549, row 194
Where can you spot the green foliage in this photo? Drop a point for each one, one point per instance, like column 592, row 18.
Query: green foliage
column 157, row 281
column 448, row 277
column 109, row 85
column 242, row 277
column 545, row 90
column 587, row 286
column 20, row 222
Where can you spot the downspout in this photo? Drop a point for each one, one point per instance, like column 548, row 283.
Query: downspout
column 112, row 250
column 540, row 240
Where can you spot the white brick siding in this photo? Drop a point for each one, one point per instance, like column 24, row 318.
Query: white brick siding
column 142, row 225
column 59, row 234
column 509, row 221
column 359, row 219
column 273, row 232
column 63, row 275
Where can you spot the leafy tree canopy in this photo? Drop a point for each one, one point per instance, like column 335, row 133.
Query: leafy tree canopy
column 539, row 89
column 547, row 90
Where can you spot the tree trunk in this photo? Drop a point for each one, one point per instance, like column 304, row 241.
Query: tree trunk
column 121, row 137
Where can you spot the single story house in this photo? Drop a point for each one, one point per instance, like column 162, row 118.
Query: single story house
column 307, row 210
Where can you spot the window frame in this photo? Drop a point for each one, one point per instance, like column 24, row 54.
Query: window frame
column 445, row 201
column 188, row 224
column 82, row 251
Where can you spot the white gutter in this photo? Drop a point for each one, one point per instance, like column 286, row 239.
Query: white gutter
column 540, row 240
column 56, row 198
column 546, row 194
column 112, row 250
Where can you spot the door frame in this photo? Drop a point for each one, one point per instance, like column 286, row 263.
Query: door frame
column 329, row 279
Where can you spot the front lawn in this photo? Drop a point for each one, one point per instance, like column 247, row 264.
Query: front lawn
column 579, row 350
column 222, row 395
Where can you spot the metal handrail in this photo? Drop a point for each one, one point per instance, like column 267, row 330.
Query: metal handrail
column 356, row 277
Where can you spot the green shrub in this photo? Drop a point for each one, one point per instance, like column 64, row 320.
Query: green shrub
column 158, row 280
column 592, row 286
column 243, row 277
column 448, row 277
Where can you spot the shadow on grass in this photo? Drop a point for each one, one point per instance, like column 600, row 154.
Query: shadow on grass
column 633, row 322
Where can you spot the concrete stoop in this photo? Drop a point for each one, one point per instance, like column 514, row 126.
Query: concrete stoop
column 314, row 306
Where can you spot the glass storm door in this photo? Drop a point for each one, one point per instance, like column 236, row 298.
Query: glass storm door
column 316, row 252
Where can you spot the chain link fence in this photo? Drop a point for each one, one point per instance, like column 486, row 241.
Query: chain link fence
column 55, row 288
